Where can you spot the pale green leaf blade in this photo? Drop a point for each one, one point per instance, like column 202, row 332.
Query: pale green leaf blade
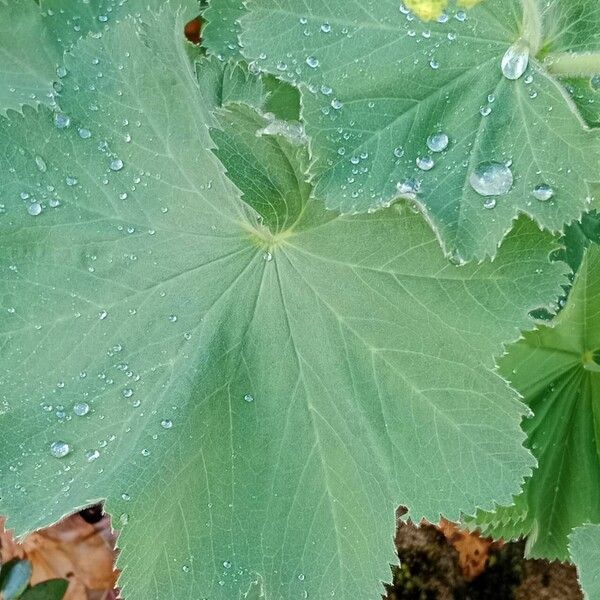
column 376, row 83
column 585, row 553
column 29, row 56
column 555, row 369
column 253, row 423
column 221, row 28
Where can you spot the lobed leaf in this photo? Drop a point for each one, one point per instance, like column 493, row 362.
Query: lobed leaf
column 585, row 552
column 253, row 383
column 377, row 83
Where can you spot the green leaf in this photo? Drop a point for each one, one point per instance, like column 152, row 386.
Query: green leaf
column 28, row 56
column 585, row 92
column 557, row 370
column 585, row 553
column 53, row 589
column 221, row 28
column 253, row 384
column 376, row 83
column 14, row 578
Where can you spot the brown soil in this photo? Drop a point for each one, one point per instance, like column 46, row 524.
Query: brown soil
column 430, row 569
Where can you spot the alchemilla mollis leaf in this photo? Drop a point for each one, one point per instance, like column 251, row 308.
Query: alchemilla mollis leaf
column 464, row 115
column 585, row 552
column 252, row 382
column 557, row 370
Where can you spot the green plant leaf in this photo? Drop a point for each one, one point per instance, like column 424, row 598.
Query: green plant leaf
column 221, row 28
column 52, row 589
column 29, row 56
column 14, row 578
column 377, row 83
column 253, row 384
column 557, row 370
column 585, row 553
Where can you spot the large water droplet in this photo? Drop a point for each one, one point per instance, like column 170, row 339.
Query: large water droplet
column 491, row 179
column 437, row 142
column 59, row 449
column 425, row 163
column 543, row 192
column 515, row 60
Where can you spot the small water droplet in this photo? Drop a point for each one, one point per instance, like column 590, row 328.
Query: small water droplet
column 398, row 151
column 312, row 62
column 166, row 424
column 123, row 518
column 489, row 203
column 543, row 192
column 70, row 180
column 491, row 179
column 268, row 256
column 301, row 577
column 326, row 28
column 126, row 497
column 34, row 209
column 116, row 164
column 173, row 318
column 485, row 111
column 227, row 564
column 185, row 569
column 595, row 83
column 41, row 164
column 61, row 120
column 81, row 409
column 92, row 455
column 127, row 392
column 336, row 104
column 249, row 398
column 515, row 60
column 84, row 134
column 59, row 449
column 437, row 142
column 102, row 315
column 61, row 72
column 425, row 163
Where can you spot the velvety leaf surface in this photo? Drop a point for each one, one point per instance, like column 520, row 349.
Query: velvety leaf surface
column 29, row 56
column 585, row 553
column 376, row 83
column 252, row 382
column 557, row 370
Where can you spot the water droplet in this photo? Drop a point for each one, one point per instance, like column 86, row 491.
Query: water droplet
column 61, row 72
column 461, row 16
column 61, row 120
column 92, row 455
column 489, row 203
column 336, row 104
column 595, row 83
column 70, row 180
column 84, row 134
column 54, row 202
column 126, row 497
column 249, row 398
column 398, row 151
column 173, row 318
column 102, row 18
column 116, row 164
column 409, row 188
column 185, row 569
column 81, row 409
column 268, row 256
column 437, row 142
column 434, row 64
column 326, row 28
column 123, row 518
column 127, row 392
column 102, row 315
column 227, row 564
column 34, row 209
column 515, row 60
column 312, row 62
column 41, row 164
column 166, row 424
column 485, row 111
column 301, row 577
column 491, row 179
column 425, row 163
column 543, row 192
column 59, row 449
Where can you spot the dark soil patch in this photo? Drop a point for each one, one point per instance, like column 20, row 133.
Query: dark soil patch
column 429, row 570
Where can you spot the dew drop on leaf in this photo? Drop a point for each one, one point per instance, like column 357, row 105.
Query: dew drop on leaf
column 515, row 60
column 425, row 163
column 92, row 455
column 312, row 62
column 41, row 164
column 116, row 164
column 491, row 179
column 249, row 398
column 166, row 424
column 34, row 209
column 543, row 192
column 59, row 449
column 84, row 134
column 81, row 409
column 490, row 203
column 437, row 142
column 61, row 120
